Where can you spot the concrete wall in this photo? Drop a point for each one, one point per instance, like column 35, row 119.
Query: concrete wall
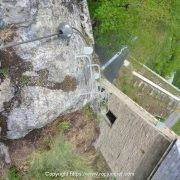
column 170, row 166
column 163, row 104
column 133, row 143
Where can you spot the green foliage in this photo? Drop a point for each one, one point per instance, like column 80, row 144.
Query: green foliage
column 149, row 28
column 87, row 111
column 160, row 118
column 176, row 80
column 125, row 84
column 60, row 158
column 64, row 126
column 13, row 174
column 176, row 128
column 24, row 80
column 4, row 72
column 126, row 88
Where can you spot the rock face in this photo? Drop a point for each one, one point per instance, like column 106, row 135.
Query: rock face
column 55, row 81
column 6, row 92
column 4, row 154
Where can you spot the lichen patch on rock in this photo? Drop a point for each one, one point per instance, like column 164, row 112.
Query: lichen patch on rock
column 7, row 34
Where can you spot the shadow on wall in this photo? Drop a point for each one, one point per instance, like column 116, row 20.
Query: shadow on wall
column 152, row 156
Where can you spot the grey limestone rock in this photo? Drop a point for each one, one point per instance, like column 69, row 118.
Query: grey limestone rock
column 52, row 60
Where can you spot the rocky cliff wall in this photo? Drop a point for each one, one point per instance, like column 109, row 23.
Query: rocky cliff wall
column 43, row 79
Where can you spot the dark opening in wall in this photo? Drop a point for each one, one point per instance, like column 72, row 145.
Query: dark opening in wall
column 112, row 118
column 101, row 89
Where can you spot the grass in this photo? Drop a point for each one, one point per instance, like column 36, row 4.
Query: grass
column 87, row 111
column 149, row 28
column 176, row 80
column 60, row 158
column 13, row 174
column 125, row 83
column 148, row 74
column 176, row 128
column 64, row 127
column 152, row 103
column 58, row 152
column 4, row 72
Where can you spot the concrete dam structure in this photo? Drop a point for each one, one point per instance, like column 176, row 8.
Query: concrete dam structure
column 131, row 140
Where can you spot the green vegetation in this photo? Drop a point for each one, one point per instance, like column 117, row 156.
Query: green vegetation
column 149, row 28
column 176, row 80
column 176, row 128
column 4, row 72
column 60, row 158
column 24, row 80
column 125, row 83
column 151, row 76
column 13, row 174
column 64, row 127
column 56, row 151
column 129, row 85
column 160, row 118
column 126, row 86
column 87, row 111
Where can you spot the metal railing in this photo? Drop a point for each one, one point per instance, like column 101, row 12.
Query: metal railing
column 86, row 58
